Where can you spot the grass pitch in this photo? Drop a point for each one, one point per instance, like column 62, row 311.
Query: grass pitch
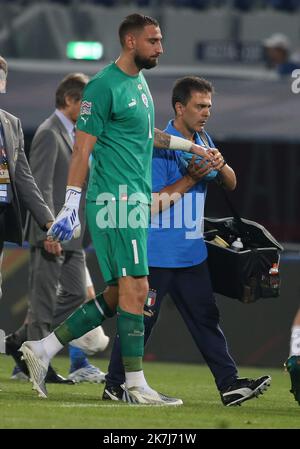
column 80, row 406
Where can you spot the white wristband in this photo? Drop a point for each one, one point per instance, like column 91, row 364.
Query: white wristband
column 73, row 195
column 178, row 143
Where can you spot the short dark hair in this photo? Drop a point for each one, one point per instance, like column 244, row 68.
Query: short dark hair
column 183, row 88
column 135, row 22
column 3, row 64
column 71, row 86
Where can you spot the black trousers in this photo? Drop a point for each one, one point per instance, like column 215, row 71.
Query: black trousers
column 2, row 212
column 190, row 289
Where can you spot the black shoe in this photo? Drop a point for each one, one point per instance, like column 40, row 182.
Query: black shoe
column 53, row 378
column 12, row 345
column 113, row 393
column 244, row 389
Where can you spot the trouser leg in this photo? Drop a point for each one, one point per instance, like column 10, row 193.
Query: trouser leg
column 1, row 247
column 1, row 260
column 44, row 275
column 194, row 298
column 71, row 292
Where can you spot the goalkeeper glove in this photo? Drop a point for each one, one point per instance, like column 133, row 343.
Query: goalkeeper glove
column 67, row 225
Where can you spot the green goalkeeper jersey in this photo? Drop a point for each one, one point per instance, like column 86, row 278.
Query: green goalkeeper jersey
column 118, row 109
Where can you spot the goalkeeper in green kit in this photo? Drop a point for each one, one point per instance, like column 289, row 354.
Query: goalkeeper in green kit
column 116, row 124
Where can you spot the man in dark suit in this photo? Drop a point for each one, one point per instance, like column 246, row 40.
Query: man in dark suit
column 57, row 281
column 17, row 186
column 18, row 189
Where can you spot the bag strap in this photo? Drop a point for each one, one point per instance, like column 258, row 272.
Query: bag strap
column 242, row 228
column 230, row 205
column 233, row 210
column 238, row 221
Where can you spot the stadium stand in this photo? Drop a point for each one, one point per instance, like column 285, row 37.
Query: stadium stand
column 41, row 29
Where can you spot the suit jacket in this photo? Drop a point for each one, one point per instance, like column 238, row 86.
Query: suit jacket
column 25, row 190
column 49, row 159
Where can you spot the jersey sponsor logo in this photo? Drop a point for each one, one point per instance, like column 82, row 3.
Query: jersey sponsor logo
column 86, row 108
column 85, row 119
column 145, row 100
column 132, row 103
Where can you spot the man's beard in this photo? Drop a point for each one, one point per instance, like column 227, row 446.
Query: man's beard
column 143, row 63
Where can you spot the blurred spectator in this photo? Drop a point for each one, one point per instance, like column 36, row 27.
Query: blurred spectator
column 278, row 54
column 197, row 4
column 143, row 3
column 105, row 2
column 284, row 5
column 243, row 5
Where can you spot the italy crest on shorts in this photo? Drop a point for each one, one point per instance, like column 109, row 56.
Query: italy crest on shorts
column 151, row 298
column 145, row 100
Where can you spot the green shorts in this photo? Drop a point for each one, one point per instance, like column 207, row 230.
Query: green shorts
column 120, row 243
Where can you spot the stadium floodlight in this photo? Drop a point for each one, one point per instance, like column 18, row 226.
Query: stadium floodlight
column 84, row 50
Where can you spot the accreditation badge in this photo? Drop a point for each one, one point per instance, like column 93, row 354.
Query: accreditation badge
column 5, row 193
column 4, row 173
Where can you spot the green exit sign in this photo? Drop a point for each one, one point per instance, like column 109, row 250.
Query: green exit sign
column 84, row 50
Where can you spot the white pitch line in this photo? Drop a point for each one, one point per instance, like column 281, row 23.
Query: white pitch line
column 107, row 406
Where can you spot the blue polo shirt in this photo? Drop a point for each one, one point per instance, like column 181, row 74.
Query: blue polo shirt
column 175, row 238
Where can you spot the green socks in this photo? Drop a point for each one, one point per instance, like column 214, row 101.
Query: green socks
column 131, row 333
column 85, row 318
column 92, row 314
